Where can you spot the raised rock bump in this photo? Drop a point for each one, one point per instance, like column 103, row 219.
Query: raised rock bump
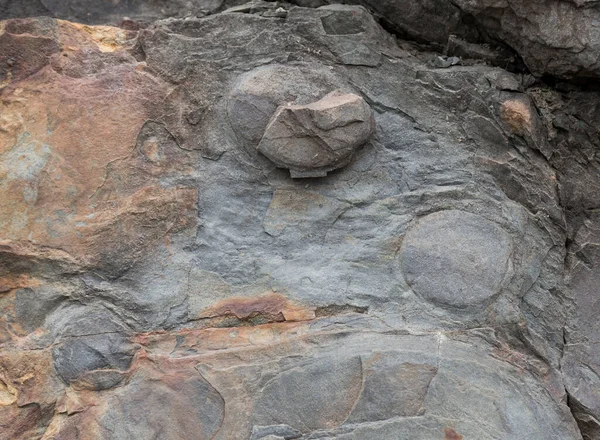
column 311, row 140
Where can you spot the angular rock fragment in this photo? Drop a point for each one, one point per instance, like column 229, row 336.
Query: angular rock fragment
column 311, row 140
column 274, row 431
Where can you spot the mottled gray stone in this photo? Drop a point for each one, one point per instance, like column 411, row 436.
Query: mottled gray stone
column 293, row 208
column 442, row 284
column 392, row 388
column 318, row 395
column 33, row 305
column 171, row 409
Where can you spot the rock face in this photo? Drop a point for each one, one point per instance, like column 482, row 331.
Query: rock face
column 161, row 275
column 316, row 138
column 555, row 37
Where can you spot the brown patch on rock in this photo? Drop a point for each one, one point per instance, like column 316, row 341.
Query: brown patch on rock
column 26, row 46
column 29, row 375
column 271, row 307
column 122, row 231
column 74, row 180
column 24, row 422
column 106, row 38
column 451, row 434
column 187, row 341
column 12, row 281
column 517, row 115
column 8, row 394
column 167, row 395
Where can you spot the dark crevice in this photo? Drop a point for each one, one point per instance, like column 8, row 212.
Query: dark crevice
column 579, row 84
column 588, row 425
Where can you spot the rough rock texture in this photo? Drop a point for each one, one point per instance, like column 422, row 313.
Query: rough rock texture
column 108, row 11
column 556, row 37
column 316, row 138
column 161, row 278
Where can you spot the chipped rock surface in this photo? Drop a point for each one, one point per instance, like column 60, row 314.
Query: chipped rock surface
column 162, row 275
column 316, row 138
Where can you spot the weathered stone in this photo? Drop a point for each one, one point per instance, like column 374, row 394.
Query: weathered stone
column 319, row 395
column 274, row 431
column 392, row 387
column 290, row 209
column 176, row 405
column 316, row 138
column 112, row 12
column 255, row 98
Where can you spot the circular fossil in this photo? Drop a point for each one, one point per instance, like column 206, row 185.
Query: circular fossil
column 455, row 258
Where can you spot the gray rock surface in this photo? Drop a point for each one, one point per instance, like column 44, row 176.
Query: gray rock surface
column 161, row 278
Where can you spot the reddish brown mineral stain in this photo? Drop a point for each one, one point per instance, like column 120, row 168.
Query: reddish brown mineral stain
column 269, row 305
column 451, row 434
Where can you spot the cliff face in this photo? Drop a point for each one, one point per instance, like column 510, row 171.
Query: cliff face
column 429, row 272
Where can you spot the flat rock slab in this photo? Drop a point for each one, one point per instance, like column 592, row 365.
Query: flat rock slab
column 316, row 138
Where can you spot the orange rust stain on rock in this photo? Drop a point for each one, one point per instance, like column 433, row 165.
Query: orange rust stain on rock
column 269, row 305
column 30, row 375
column 201, row 340
column 70, row 173
column 517, row 115
column 451, row 434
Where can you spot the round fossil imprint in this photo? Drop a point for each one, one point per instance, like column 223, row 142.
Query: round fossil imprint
column 456, row 258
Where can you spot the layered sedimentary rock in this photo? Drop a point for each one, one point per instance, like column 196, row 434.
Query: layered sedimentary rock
column 160, row 277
